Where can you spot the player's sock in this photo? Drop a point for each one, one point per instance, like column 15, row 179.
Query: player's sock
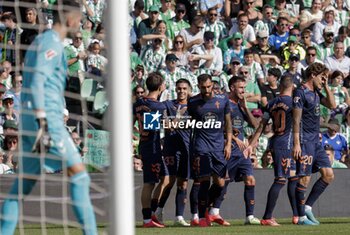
column 249, row 199
column 272, row 197
column 300, row 197
column 292, row 184
column 154, row 204
column 194, row 198
column 316, row 191
column 180, row 201
column 9, row 212
column 147, row 214
column 80, row 195
column 217, row 203
column 163, row 199
column 203, row 198
column 214, row 193
column 214, row 211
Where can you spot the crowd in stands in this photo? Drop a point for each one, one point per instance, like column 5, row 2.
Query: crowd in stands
column 260, row 40
column 86, row 57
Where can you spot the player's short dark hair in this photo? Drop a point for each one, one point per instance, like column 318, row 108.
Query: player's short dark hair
column 154, row 81
column 234, row 80
column 314, row 69
column 203, row 78
column 68, row 6
column 183, row 80
column 286, row 81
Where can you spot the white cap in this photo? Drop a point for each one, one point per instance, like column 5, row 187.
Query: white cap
column 329, row 8
column 263, row 34
column 328, row 29
column 8, row 96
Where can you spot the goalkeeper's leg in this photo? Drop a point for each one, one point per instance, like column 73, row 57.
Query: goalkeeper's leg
column 82, row 207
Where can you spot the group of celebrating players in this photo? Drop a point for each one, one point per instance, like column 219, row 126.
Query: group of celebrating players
column 213, row 157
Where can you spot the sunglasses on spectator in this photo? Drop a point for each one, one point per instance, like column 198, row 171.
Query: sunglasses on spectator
column 140, row 92
column 213, row 14
column 294, row 59
column 250, row 3
column 235, row 63
column 296, row 35
column 268, row 13
column 157, row 40
column 263, row 38
column 283, row 25
column 200, row 27
column 179, row 42
column 78, row 38
column 154, row 12
column 244, row 72
column 305, row 37
column 180, row 11
column 311, row 54
column 329, row 35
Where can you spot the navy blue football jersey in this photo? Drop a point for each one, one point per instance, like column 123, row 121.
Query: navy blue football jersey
column 309, row 102
column 237, row 118
column 209, row 138
column 280, row 111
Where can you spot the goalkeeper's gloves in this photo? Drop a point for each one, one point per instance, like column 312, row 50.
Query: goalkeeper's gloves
column 43, row 140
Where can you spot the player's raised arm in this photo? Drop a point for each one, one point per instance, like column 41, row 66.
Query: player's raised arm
column 329, row 100
column 250, row 118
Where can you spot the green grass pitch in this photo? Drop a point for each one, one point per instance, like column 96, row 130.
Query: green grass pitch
column 328, row 226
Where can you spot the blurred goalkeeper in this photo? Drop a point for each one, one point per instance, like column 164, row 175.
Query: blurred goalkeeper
column 44, row 137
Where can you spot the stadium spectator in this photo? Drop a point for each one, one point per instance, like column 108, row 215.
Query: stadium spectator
column 166, row 11
column 310, row 57
column 252, row 91
column 242, row 27
column 79, row 143
column 254, row 68
column 330, row 153
column 87, row 32
column 137, row 164
column 294, row 69
column 341, row 94
column 215, row 25
column 235, row 49
column 281, row 10
column 153, row 56
column 343, row 37
column 336, row 140
column 15, row 91
column 234, row 67
column 4, row 169
column 5, row 75
column 326, row 48
column 345, row 126
column 292, row 47
column 263, row 52
column 76, row 55
column 29, row 32
column 94, row 10
column 11, row 147
column 255, row 161
column 267, row 160
column 178, row 22
column 138, row 92
column 328, row 20
column 159, row 34
column 96, row 63
column 179, row 49
column 281, row 35
column 205, row 5
column 306, row 41
column 342, row 14
column 149, row 25
column 269, row 22
column 338, row 61
column 194, row 34
column 65, row 120
column 215, row 63
column 249, row 8
column 11, row 35
column 309, row 17
column 270, row 91
column 139, row 78
column 9, row 113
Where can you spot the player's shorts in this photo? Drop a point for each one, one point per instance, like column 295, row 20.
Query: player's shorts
column 207, row 164
column 62, row 154
column 238, row 167
column 283, row 162
column 176, row 158
column 313, row 158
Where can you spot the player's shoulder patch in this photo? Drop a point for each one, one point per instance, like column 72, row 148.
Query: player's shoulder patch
column 50, row 54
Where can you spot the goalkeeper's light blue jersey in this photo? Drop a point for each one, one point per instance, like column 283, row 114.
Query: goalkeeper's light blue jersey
column 45, row 75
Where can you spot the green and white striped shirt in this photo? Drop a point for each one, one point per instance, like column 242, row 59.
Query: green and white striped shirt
column 174, row 28
column 170, row 79
column 192, row 77
column 153, row 60
column 323, row 52
column 219, row 30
